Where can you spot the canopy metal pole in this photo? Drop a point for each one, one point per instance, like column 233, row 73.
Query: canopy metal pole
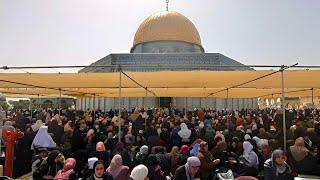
column 75, row 104
column 94, row 107
column 312, row 96
column 185, row 106
column 119, row 104
column 59, row 102
column 30, row 108
column 39, row 105
column 283, row 110
column 152, row 65
column 145, row 120
column 206, row 102
column 227, row 99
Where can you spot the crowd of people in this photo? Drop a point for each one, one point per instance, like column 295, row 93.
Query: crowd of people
column 159, row 144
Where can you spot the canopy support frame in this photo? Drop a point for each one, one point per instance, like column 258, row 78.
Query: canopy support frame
column 119, row 105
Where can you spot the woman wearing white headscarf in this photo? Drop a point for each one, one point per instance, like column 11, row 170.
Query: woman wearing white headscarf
column 249, row 155
column 184, row 132
column 43, row 139
column 249, row 161
column 139, row 172
column 189, row 170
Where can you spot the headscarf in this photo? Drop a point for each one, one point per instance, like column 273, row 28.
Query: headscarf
column 298, row 150
column 139, row 172
column 67, row 128
column 220, row 135
column 203, row 144
column 129, row 138
column 247, row 137
column 256, row 139
column 280, row 169
column 249, row 131
column 184, row 150
column 52, row 156
column 210, row 133
column 90, row 132
column 36, row 126
column 201, row 124
column 191, row 162
column 115, row 166
column 184, row 133
column 197, row 141
column 110, row 135
column 58, row 118
column 249, row 154
column 144, row 150
column 91, row 162
column 152, row 160
column 262, row 143
column 43, row 139
column 175, row 151
column 68, row 167
column 100, row 147
column 201, row 115
column 134, row 116
column 94, row 167
column 194, row 151
column 222, row 146
column 8, row 126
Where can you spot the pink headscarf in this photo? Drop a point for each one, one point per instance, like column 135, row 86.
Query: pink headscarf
column 298, row 150
column 67, row 170
column 116, row 166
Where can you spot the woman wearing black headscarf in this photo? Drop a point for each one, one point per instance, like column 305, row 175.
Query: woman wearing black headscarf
column 100, row 172
column 56, row 130
column 154, row 169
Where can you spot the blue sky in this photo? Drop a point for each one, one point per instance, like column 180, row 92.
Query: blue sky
column 78, row 32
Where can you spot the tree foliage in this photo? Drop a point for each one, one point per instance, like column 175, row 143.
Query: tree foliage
column 21, row 104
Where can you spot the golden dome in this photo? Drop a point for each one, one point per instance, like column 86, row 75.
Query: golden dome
column 167, row 25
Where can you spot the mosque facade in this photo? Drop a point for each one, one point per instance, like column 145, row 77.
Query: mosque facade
column 166, row 41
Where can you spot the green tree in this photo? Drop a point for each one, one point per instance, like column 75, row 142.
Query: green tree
column 21, row 104
column 4, row 105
